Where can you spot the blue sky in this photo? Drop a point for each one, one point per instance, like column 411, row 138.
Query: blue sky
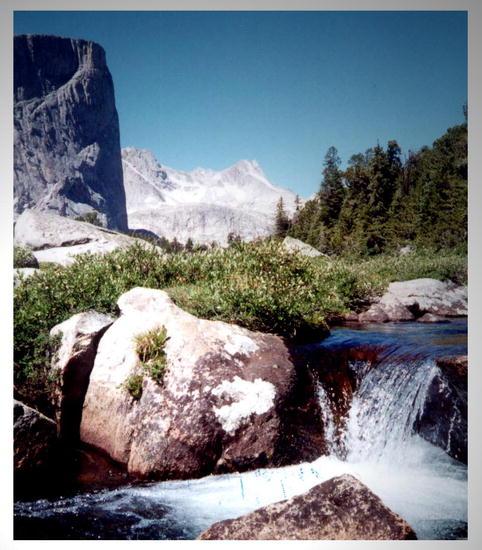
column 210, row 88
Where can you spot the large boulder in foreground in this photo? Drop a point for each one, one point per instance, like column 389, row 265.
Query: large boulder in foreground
column 58, row 239
column 71, row 367
column 67, row 156
column 408, row 300
column 34, row 437
column 341, row 508
column 224, row 402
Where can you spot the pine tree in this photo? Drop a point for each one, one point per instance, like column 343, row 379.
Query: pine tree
column 189, row 245
column 332, row 191
column 388, row 202
column 282, row 222
column 297, row 204
column 354, row 214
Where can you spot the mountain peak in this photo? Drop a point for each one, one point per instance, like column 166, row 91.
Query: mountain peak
column 135, row 152
column 247, row 166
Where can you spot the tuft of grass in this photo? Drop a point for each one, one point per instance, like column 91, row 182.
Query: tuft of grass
column 150, row 348
column 133, row 384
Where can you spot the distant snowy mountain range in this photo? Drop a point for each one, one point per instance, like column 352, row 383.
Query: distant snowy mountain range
column 204, row 205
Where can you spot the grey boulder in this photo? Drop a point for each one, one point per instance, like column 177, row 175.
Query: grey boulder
column 295, row 245
column 427, row 299
column 443, row 298
column 59, row 239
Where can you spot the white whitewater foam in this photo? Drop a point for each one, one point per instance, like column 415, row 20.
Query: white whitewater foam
column 432, row 492
column 385, row 408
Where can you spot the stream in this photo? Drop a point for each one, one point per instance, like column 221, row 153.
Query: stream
column 378, row 445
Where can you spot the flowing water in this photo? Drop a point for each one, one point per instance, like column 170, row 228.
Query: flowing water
column 378, row 446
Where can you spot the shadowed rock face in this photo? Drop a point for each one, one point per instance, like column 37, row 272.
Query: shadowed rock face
column 73, row 362
column 444, row 419
column 67, row 156
column 341, row 508
column 34, row 436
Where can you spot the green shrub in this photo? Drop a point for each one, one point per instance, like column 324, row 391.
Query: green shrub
column 443, row 265
column 23, row 257
column 257, row 285
column 133, row 384
column 150, row 349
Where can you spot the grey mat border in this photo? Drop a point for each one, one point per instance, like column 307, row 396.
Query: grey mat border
column 474, row 7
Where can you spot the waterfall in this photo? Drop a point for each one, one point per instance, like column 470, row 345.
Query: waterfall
column 385, row 408
column 328, row 419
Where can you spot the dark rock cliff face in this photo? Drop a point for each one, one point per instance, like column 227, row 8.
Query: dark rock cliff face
column 67, row 157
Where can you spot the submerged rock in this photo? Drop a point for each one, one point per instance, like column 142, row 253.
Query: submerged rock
column 72, row 365
column 226, row 401
column 34, row 438
column 455, row 369
column 67, row 156
column 341, row 508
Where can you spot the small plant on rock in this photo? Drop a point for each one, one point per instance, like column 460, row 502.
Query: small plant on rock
column 90, row 217
column 150, row 348
column 133, row 384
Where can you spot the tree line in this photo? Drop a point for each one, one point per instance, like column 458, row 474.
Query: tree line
column 382, row 201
